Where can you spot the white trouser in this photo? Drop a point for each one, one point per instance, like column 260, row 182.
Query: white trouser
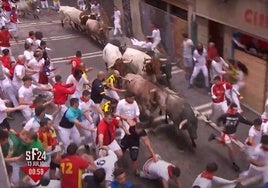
column 60, row 114
column 27, row 113
column 155, row 43
column 196, row 71
column 67, row 134
column 254, row 171
column 117, row 27
column 113, row 94
column 13, row 28
column 9, row 92
column 218, row 109
column 44, row 4
column 234, row 95
column 15, row 177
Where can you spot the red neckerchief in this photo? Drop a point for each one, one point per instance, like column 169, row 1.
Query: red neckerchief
column 83, row 99
column 169, row 168
column 32, row 105
column 207, row 175
column 264, row 149
column 230, row 111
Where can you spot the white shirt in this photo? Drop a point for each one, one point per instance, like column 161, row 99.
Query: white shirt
column 156, row 34
column 159, row 169
column 6, row 82
column 187, row 47
column 28, row 56
column 18, row 71
column 255, row 134
column 217, row 68
column 36, row 65
column 27, row 93
column 3, row 114
column 201, row 59
column 107, row 163
column 32, row 124
column 87, row 107
column 260, row 155
column 207, row 183
column 79, row 85
column 117, row 15
column 130, row 110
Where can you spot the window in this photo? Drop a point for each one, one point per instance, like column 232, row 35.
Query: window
column 158, row 4
column 179, row 12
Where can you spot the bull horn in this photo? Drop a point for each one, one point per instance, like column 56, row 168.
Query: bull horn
column 163, row 59
column 152, row 90
column 147, row 59
column 183, row 123
column 127, row 61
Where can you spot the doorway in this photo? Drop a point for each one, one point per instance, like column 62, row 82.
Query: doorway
column 216, row 34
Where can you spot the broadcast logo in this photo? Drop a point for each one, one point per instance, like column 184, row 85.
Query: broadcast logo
column 36, row 164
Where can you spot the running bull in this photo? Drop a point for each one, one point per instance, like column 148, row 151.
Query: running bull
column 150, row 97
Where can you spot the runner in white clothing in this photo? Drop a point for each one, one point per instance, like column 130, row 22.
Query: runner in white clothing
column 187, row 53
column 156, row 37
column 79, row 81
column 258, row 161
column 36, row 64
column 206, row 178
column 200, row 60
column 107, row 159
column 117, row 22
column 160, row 170
column 127, row 109
column 218, row 67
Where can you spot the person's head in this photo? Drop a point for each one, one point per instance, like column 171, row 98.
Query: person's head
column 38, row 54
column 39, row 100
column 212, row 167
column 257, row 123
column 211, row 45
column 86, row 94
column 101, row 76
column 40, row 111
column 200, row 48
column 27, row 81
column 108, row 117
column 43, row 44
column 217, row 80
column 116, row 73
column 3, row 137
column 5, row 52
column 185, row 35
column 217, row 58
column 31, row 34
column 99, row 175
column 78, row 53
column 4, row 28
column 28, row 137
column 27, row 46
column 120, row 176
column 233, row 108
column 74, row 102
column 21, row 58
column 77, row 74
column 44, row 123
column 71, row 149
column 129, row 97
column 38, row 35
column 175, row 172
column 102, row 153
column 58, row 78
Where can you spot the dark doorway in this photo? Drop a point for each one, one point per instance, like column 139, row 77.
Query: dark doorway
column 215, row 34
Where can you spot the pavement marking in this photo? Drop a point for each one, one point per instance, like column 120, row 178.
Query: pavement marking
column 202, row 106
column 59, row 37
column 24, row 25
column 176, row 70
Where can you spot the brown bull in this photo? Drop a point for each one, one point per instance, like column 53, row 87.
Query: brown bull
column 150, row 97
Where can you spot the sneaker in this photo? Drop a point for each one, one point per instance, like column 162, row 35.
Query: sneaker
column 236, row 167
column 211, row 137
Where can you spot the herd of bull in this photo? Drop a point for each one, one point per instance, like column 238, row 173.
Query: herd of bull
column 142, row 70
